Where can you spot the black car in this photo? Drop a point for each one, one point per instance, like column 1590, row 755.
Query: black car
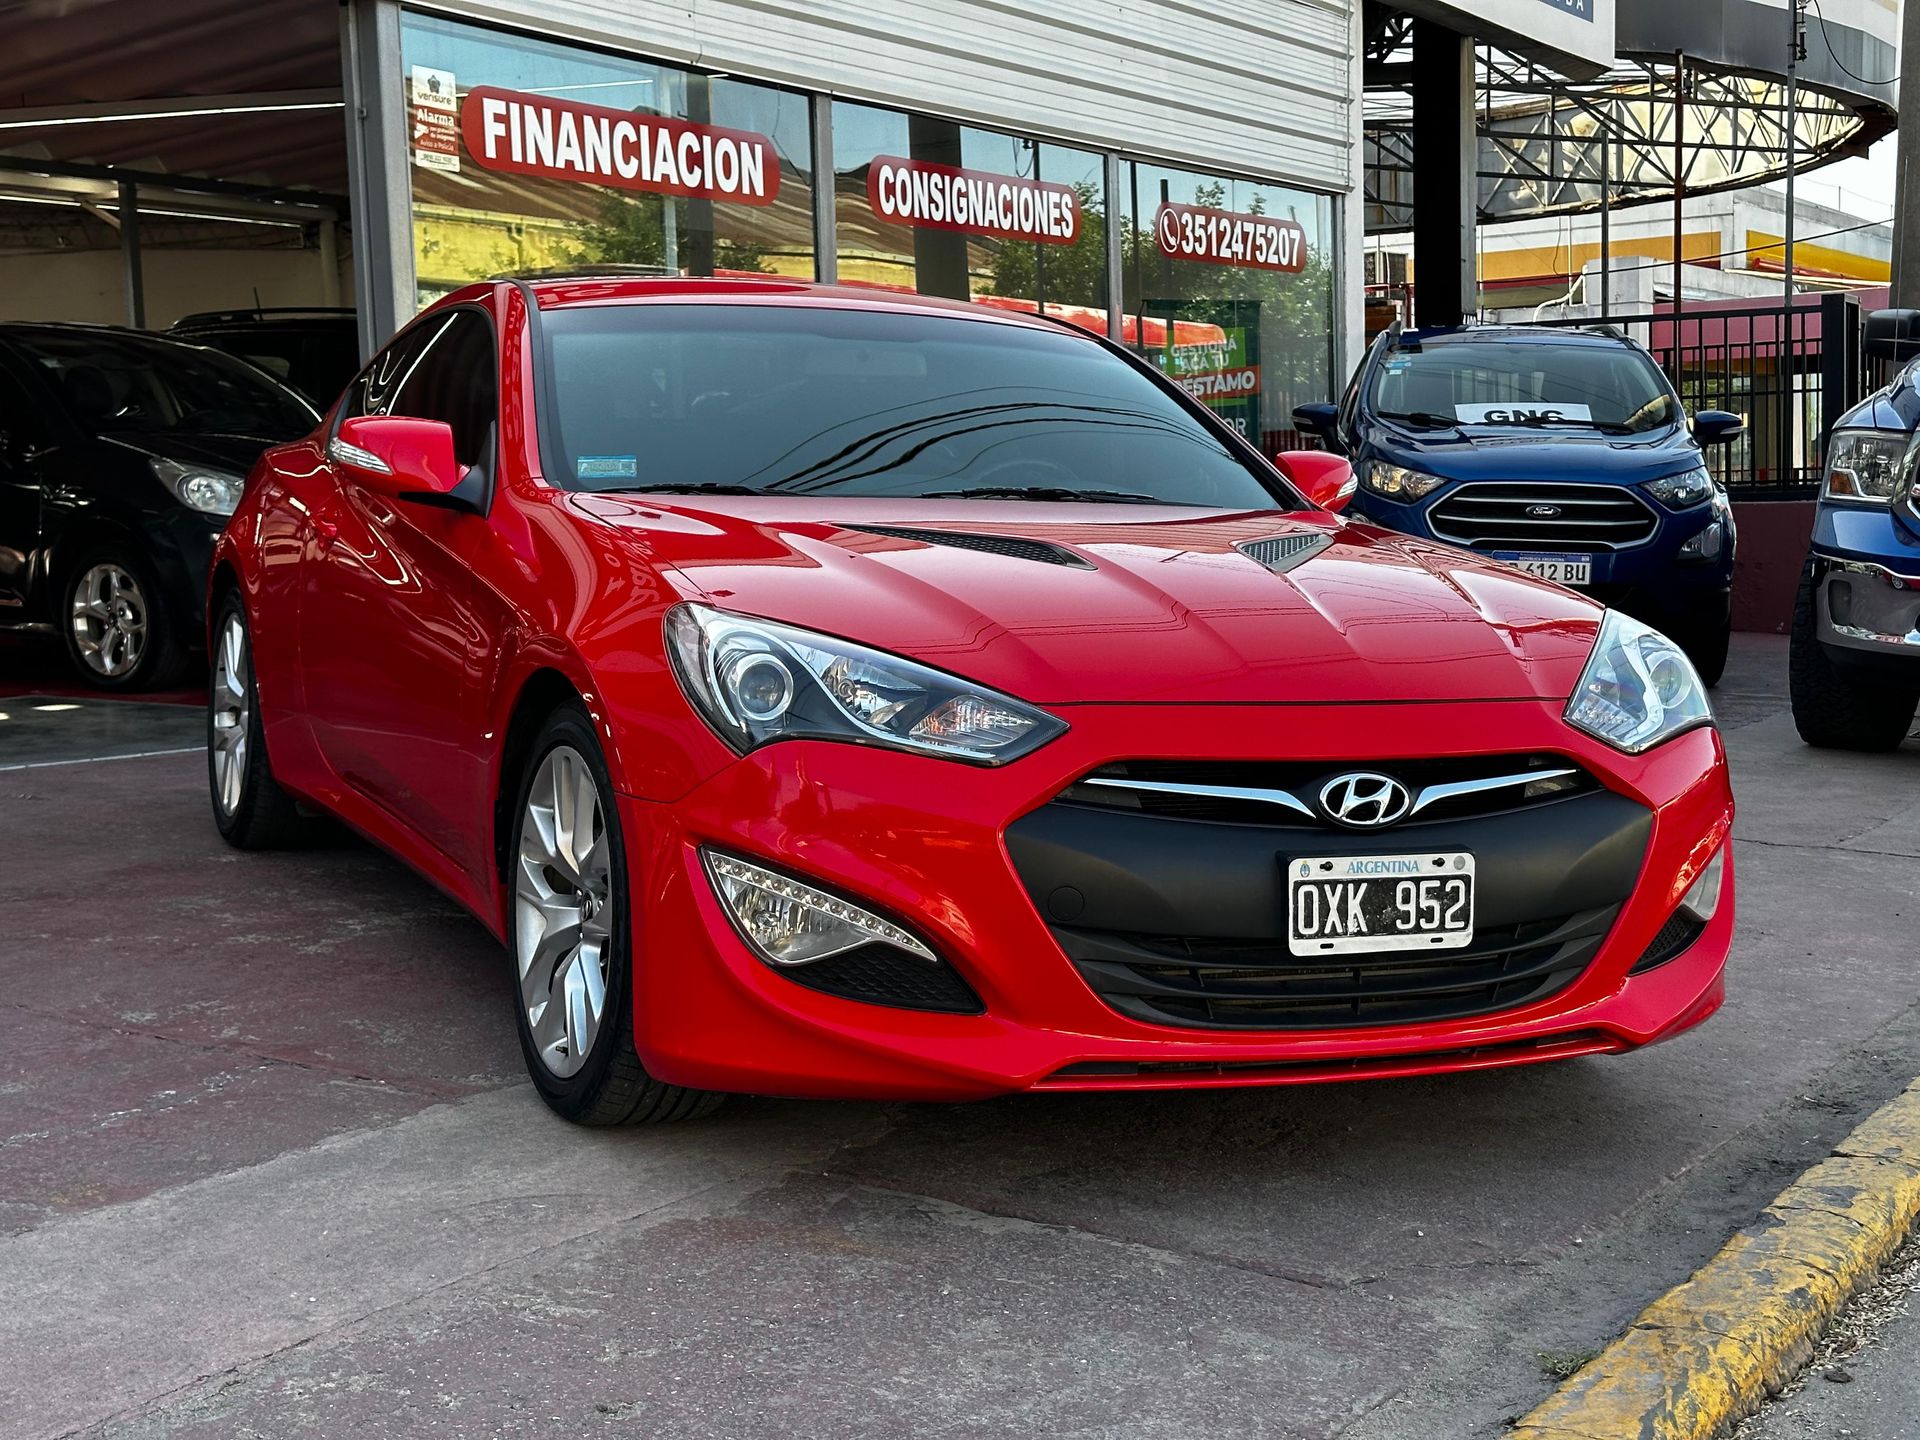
column 121, row 456
column 315, row 351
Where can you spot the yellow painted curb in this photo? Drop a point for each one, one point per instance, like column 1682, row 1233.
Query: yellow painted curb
column 1709, row 1352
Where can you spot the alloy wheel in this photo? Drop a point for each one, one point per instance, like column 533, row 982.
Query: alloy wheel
column 230, row 712
column 109, row 620
column 563, row 911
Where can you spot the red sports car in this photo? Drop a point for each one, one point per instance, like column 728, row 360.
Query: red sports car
column 830, row 693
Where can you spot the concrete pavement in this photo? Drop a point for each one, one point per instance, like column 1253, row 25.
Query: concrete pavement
column 1870, row 1389
column 271, row 1169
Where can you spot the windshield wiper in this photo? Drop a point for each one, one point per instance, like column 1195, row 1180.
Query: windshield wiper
column 702, row 487
column 1038, row 492
column 1425, row 419
column 1605, row 427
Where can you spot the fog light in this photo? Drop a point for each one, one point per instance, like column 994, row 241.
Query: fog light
column 1706, row 545
column 1702, row 902
column 791, row 923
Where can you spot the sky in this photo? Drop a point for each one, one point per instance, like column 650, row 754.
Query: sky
column 1863, row 186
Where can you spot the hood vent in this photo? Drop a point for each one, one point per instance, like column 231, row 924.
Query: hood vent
column 1283, row 552
column 1015, row 547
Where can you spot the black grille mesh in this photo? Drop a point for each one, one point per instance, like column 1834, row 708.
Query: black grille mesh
column 1258, row 985
column 881, row 975
column 1015, row 547
column 1508, row 516
column 1673, row 941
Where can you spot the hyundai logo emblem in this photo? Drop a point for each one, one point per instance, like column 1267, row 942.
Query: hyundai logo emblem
column 1545, row 512
column 1365, row 801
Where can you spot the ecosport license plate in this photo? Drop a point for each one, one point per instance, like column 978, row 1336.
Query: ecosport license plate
column 1367, row 904
column 1561, row 569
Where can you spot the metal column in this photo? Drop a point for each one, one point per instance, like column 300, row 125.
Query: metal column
column 136, row 279
column 377, row 175
column 1445, row 176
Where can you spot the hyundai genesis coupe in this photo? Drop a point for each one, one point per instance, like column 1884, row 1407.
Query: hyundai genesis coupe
column 824, row 692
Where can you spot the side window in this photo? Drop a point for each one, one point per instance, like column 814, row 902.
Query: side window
column 373, row 389
column 454, row 380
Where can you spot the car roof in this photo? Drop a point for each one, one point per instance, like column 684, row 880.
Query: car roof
column 1512, row 335
column 27, row 330
column 554, row 292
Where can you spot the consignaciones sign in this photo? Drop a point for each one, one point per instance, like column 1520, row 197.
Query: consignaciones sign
column 1582, row 8
column 930, row 196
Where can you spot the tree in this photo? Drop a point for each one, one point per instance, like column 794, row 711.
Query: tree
column 632, row 230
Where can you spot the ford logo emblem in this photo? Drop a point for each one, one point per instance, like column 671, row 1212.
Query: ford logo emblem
column 1545, row 512
column 1365, row 801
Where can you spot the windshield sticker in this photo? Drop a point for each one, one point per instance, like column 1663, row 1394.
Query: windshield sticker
column 1522, row 412
column 607, row 467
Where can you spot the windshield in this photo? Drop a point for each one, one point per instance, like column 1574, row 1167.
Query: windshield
column 114, row 383
column 1525, row 384
column 818, row 401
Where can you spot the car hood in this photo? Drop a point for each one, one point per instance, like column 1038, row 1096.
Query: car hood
column 232, row 453
column 1104, row 603
column 1481, row 454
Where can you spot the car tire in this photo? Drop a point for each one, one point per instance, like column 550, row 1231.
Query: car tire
column 1831, row 709
column 250, row 809
column 561, row 882
column 1707, row 649
column 119, row 631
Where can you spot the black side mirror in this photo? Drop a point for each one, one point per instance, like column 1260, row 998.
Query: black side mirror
column 1321, row 420
column 1893, row 335
column 1717, row 427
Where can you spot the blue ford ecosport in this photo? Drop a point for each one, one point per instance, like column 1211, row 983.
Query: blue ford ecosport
column 1565, row 452
column 1856, row 621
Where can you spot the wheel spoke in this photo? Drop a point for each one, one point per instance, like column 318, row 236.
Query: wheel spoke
column 563, row 884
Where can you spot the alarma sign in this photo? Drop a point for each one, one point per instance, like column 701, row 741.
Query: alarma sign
column 563, row 140
column 1222, row 237
column 945, row 197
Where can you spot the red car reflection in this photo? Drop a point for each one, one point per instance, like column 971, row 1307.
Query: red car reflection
column 828, row 693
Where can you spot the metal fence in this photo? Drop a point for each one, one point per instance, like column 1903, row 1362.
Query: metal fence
column 1791, row 371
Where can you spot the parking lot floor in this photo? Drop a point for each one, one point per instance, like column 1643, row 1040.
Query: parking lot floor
column 269, row 1166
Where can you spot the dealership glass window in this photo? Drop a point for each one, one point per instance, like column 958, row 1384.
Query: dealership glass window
column 1229, row 287
column 1031, row 231
column 472, row 220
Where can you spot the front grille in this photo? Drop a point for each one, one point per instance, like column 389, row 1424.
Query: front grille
column 882, row 975
column 1496, row 516
column 1257, row 985
column 1229, row 792
column 1676, row 937
column 1015, row 547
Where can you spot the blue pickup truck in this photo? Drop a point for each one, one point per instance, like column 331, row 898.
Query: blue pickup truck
column 1565, row 452
column 1856, row 621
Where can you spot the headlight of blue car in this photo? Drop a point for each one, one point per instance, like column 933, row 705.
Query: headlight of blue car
column 1396, row 482
column 1683, row 491
column 1867, row 465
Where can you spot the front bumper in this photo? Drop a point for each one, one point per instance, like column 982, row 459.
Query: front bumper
column 1865, row 566
column 926, row 842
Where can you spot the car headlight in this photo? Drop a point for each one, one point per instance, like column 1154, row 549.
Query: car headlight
column 1396, row 482
column 1682, row 492
column 758, row 681
column 199, row 487
column 1638, row 690
column 1866, row 465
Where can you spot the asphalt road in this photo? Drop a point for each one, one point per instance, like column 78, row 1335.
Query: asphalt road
column 269, row 1168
